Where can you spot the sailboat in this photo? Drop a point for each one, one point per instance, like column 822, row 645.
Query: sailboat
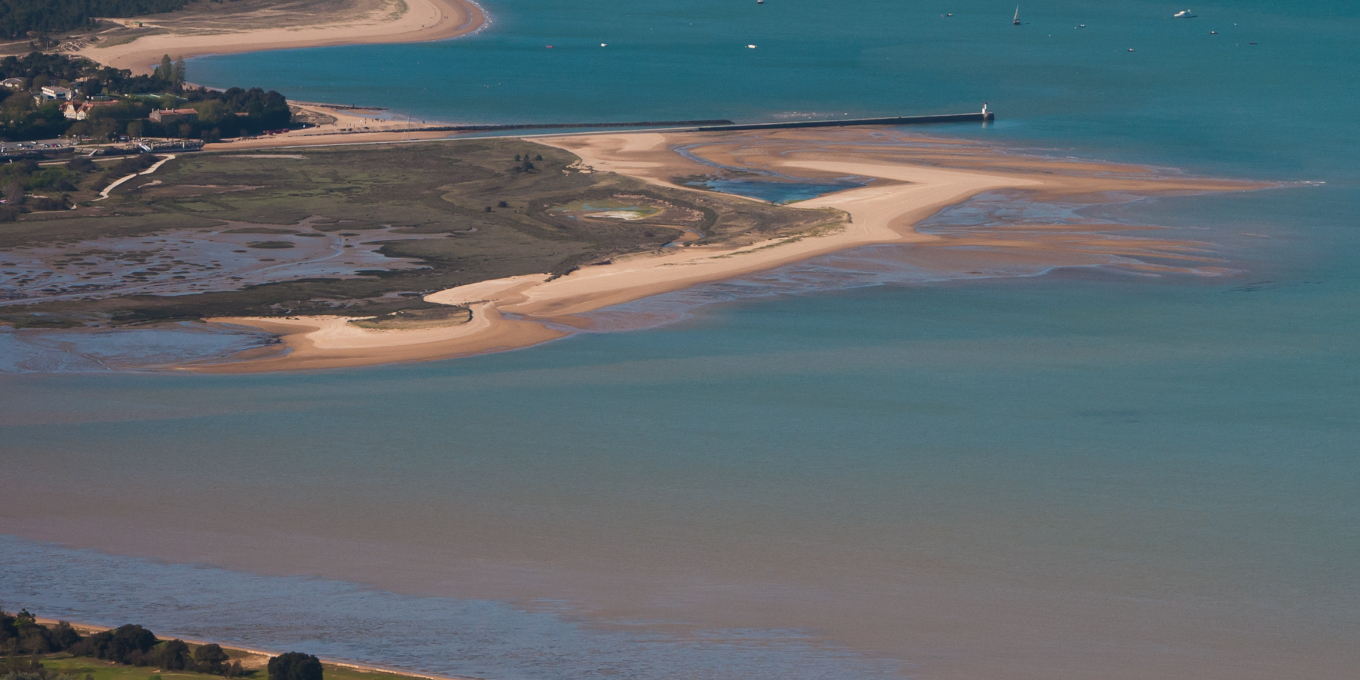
column 1016, row 20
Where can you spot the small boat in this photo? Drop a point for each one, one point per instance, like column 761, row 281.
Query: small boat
column 750, row 47
column 1213, row 32
column 1016, row 20
column 1184, row 14
column 760, row 2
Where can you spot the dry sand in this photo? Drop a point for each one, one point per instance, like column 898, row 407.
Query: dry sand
column 378, row 21
column 914, row 182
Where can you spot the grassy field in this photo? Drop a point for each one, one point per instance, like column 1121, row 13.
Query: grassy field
column 85, row 668
column 467, row 210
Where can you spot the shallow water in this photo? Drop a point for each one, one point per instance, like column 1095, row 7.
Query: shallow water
column 774, row 192
column 1020, row 473
column 88, row 350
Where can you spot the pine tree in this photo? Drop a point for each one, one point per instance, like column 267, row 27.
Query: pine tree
column 180, row 70
column 166, row 71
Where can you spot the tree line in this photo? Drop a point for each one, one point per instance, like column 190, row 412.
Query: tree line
column 19, row 17
column 132, row 645
column 231, row 113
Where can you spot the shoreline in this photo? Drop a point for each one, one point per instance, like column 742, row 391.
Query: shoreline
column 881, row 213
column 87, row 628
column 527, row 310
column 422, row 21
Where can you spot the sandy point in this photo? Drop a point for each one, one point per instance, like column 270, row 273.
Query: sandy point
column 389, row 21
column 539, row 306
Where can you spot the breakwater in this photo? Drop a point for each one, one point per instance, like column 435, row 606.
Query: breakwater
column 700, row 124
column 716, row 125
column 895, row 120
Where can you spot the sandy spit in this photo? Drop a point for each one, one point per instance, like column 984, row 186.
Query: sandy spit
column 423, row 20
column 879, row 214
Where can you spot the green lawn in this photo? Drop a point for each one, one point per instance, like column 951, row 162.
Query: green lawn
column 80, row 667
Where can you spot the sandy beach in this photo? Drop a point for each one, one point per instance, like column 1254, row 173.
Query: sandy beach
column 908, row 188
column 371, row 21
column 256, row 659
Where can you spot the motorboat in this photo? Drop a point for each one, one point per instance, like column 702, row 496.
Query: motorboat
column 1185, row 14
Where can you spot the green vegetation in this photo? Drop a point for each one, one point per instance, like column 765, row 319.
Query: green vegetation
column 33, row 651
column 429, row 202
column 295, row 666
column 19, row 17
column 127, row 101
column 412, row 319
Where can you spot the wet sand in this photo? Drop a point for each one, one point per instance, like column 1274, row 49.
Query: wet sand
column 382, row 22
column 914, row 179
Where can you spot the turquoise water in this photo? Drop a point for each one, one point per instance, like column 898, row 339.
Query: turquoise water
column 857, row 466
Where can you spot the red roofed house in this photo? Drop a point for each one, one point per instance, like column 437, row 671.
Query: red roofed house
column 81, row 110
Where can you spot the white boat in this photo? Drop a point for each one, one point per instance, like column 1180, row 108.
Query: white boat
column 1185, row 14
column 1016, row 20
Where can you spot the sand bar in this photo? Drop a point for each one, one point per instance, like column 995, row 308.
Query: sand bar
column 914, row 178
column 378, row 21
column 880, row 213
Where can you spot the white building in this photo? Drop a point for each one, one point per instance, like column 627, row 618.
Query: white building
column 54, row 92
column 13, row 83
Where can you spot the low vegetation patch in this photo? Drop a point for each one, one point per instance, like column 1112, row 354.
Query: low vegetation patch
column 452, row 213
column 412, row 319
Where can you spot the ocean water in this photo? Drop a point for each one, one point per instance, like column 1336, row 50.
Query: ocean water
column 859, row 466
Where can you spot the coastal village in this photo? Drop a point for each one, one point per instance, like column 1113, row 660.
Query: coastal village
column 56, row 104
column 61, row 113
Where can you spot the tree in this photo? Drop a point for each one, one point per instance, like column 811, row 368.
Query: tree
column 180, row 71
column 125, row 644
column 166, row 71
column 210, row 658
column 295, row 666
column 14, row 192
column 63, row 635
column 17, row 106
column 173, row 655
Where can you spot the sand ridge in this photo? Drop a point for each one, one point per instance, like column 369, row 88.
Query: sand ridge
column 388, row 21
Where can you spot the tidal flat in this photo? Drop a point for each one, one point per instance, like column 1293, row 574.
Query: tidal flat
column 365, row 231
